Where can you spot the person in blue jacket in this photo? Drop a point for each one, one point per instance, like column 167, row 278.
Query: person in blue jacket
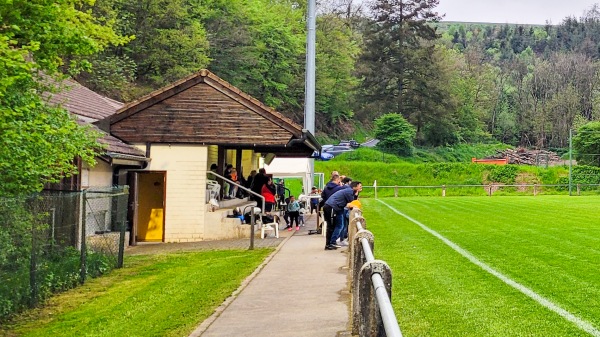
column 332, row 186
column 337, row 202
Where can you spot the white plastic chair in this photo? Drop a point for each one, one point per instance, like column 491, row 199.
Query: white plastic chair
column 214, row 189
column 268, row 227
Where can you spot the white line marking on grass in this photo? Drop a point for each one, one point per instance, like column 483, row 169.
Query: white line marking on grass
column 583, row 325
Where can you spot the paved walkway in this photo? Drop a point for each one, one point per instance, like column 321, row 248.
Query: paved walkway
column 301, row 290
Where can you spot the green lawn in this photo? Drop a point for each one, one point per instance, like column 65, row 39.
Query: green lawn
column 157, row 295
column 549, row 244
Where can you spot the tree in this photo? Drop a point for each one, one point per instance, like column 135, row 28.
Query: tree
column 170, row 43
column 39, row 142
column 395, row 134
column 586, row 144
column 337, row 51
column 258, row 46
column 393, row 70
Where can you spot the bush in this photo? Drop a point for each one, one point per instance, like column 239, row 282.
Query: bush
column 503, row 174
column 587, row 144
column 396, row 135
column 23, row 237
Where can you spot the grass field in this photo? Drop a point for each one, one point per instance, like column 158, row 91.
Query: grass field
column 461, row 266
column 154, row 295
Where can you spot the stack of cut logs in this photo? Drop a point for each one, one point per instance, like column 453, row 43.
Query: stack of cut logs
column 527, row 157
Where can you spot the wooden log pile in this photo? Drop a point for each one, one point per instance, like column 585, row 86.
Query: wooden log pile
column 523, row 156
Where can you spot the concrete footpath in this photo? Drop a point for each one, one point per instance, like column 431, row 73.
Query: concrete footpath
column 300, row 291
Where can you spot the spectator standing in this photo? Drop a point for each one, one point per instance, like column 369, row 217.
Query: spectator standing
column 294, row 209
column 260, row 179
column 332, row 186
column 337, row 202
column 268, row 192
column 314, row 201
column 286, row 213
column 280, row 191
column 343, row 238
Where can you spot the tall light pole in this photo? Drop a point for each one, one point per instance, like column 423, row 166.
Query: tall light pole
column 309, row 93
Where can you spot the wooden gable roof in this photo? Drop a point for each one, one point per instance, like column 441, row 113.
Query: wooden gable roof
column 204, row 109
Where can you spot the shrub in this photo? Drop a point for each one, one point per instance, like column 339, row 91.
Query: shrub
column 395, row 134
column 503, row 173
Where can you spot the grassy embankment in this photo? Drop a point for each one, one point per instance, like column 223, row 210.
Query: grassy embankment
column 450, row 167
column 154, row 295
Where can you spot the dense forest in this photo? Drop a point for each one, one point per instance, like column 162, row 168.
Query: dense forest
column 455, row 82
column 524, row 85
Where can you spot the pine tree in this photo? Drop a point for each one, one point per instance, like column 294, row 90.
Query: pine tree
column 395, row 75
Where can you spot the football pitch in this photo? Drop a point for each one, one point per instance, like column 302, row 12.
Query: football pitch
column 491, row 266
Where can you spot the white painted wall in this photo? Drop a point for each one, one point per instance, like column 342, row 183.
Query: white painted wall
column 186, row 167
column 99, row 175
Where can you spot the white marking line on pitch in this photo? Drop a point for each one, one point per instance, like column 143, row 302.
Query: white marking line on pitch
column 583, row 325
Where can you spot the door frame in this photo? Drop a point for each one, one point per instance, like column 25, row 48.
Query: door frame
column 134, row 201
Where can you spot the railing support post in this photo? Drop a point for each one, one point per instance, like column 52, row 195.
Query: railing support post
column 490, row 190
column 578, row 190
column 443, row 190
column 358, row 258
column 534, row 190
column 396, row 191
column 370, row 322
column 352, row 229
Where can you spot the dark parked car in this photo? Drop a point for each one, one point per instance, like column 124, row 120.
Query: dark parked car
column 352, row 143
column 324, row 155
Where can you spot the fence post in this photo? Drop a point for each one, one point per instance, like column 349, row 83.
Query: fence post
column 33, row 268
column 375, row 187
column 396, row 191
column 534, row 190
column 443, row 190
column 490, row 190
column 121, row 245
column 352, row 230
column 252, row 223
column 355, row 216
column 358, row 259
column 370, row 323
column 83, row 257
column 578, row 189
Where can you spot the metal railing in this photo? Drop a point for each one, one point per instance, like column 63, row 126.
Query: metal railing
column 372, row 311
column 242, row 187
column 488, row 189
column 252, row 224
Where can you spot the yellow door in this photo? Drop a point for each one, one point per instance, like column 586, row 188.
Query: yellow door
column 151, row 209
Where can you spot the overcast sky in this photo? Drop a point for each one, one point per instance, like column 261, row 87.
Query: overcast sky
column 513, row 11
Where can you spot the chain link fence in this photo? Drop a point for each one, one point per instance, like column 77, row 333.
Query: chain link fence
column 53, row 241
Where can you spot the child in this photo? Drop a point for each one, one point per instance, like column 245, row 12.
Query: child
column 314, row 200
column 301, row 217
column 294, row 209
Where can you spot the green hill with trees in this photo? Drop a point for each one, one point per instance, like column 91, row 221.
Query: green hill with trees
column 452, row 83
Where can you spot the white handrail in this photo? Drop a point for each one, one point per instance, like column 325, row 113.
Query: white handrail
column 242, row 187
